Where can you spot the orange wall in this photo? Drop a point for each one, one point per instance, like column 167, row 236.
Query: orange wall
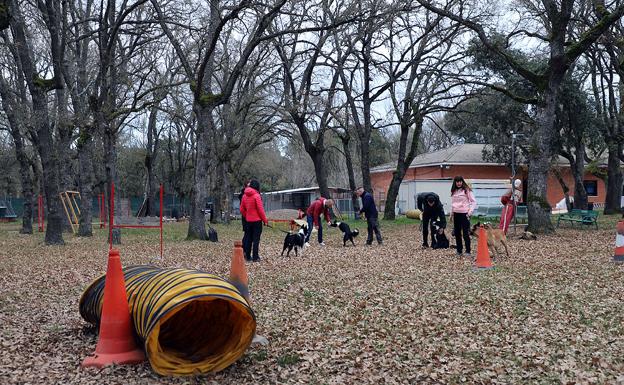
column 555, row 192
column 381, row 180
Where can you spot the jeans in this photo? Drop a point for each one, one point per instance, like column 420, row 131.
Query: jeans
column 310, row 219
column 373, row 226
column 461, row 224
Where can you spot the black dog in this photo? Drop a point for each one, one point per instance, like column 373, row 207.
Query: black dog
column 440, row 241
column 346, row 230
column 294, row 240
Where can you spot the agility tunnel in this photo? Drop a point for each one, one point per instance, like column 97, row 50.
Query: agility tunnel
column 190, row 322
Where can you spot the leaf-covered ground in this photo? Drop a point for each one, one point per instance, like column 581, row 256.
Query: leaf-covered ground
column 552, row 313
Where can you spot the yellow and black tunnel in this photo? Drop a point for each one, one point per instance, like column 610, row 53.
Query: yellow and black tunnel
column 190, row 322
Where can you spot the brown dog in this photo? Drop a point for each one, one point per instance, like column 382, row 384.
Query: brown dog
column 495, row 238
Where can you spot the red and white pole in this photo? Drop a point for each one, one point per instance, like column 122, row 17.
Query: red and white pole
column 618, row 255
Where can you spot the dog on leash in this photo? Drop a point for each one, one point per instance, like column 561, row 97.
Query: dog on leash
column 295, row 241
column 440, row 241
column 495, row 238
column 348, row 235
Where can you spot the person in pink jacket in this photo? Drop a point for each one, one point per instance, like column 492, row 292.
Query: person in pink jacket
column 252, row 210
column 463, row 204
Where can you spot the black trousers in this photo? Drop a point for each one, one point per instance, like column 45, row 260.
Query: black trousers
column 245, row 238
column 254, row 230
column 461, row 225
column 426, row 219
column 373, row 226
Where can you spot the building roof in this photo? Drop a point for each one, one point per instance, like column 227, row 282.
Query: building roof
column 304, row 189
column 467, row 154
column 461, row 154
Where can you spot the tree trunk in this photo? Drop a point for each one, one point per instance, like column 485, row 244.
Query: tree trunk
column 540, row 156
column 65, row 133
column 321, row 173
column 578, row 171
column 614, row 179
column 40, row 120
column 151, row 197
column 27, row 192
column 403, row 162
column 26, row 178
column 364, row 136
column 199, row 195
column 85, row 161
column 110, row 162
column 393, row 190
column 226, row 193
column 564, row 187
column 351, row 174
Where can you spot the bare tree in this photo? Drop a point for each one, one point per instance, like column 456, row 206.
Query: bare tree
column 255, row 19
column 307, row 62
column 39, row 88
column 554, row 19
column 427, row 87
column 15, row 105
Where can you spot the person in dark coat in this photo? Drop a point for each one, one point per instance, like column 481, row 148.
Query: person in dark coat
column 253, row 211
column 432, row 209
column 372, row 216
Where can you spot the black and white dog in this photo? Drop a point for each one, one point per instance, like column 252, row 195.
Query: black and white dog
column 295, row 240
column 440, row 241
column 348, row 235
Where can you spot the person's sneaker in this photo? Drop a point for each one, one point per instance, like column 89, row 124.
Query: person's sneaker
column 459, row 253
column 425, row 245
column 380, row 242
column 369, row 243
column 468, row 255
column 322, row 243
column 257, row 259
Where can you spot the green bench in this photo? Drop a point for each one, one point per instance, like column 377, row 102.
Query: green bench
column 583, row 217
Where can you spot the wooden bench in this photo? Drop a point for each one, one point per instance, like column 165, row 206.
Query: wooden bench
column 583, row 217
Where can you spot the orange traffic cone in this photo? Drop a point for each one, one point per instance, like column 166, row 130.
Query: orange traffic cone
column 116, row 343
column 238, row 271
column 618, row 255
column 483, row 254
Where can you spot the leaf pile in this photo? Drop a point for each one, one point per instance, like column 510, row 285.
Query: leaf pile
column 395, row 313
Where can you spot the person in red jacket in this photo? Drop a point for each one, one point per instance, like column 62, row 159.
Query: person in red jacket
column 252, row 210
column 313, row 213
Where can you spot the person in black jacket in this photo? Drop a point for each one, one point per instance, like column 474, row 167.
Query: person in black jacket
column 370, row 210
column 432, row 209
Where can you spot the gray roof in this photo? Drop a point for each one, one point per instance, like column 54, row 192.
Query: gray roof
column 460, row 154
column 467, row 154
column 304, row 190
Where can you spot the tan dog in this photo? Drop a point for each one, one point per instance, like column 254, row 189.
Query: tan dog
column 495, row 238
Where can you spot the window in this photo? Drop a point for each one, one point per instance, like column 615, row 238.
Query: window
column 591, row 186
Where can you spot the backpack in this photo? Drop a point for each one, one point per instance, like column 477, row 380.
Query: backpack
column 212, row 234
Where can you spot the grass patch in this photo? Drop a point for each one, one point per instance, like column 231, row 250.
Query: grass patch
column 288, row 359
